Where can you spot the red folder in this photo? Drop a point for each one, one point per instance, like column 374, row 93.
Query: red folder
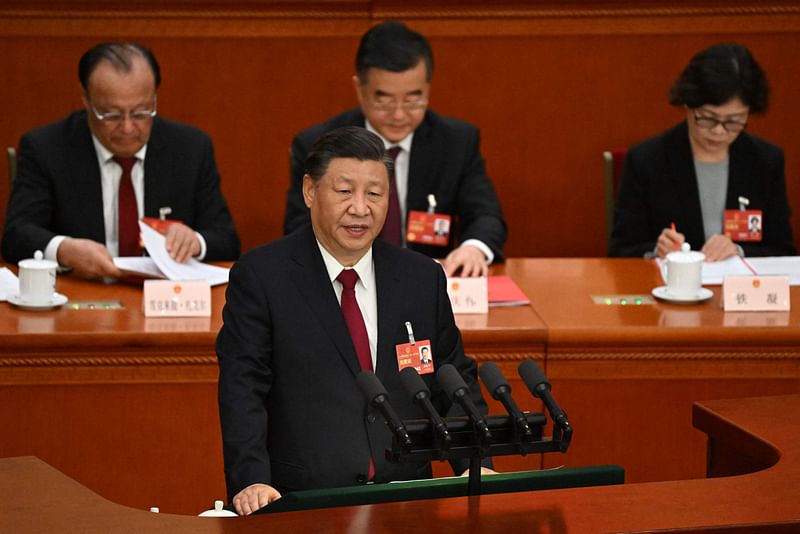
column 503, row 291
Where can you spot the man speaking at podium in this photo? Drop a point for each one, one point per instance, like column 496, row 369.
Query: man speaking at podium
column 306, row 314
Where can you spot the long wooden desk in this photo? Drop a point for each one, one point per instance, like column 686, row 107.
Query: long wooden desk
column 127, row 405
column 627, row 375
column 757, row 436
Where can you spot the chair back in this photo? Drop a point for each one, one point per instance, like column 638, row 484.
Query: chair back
column 612, row 166
column 12, row 163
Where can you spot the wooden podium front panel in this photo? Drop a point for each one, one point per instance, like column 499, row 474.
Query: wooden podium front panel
column 34, row 497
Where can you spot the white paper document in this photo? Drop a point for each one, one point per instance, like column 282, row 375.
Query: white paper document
column 161, row 265
column 715, row 272
column 779, row 265
column 9, row 284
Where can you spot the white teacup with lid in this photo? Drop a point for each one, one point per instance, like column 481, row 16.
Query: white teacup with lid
column 218, row 511
column 683, row 272
column 37, row 280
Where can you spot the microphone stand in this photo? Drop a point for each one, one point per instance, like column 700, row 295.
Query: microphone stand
column 467, row 444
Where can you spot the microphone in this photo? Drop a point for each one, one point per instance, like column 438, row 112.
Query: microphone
column 500, row 390
column 457, row 390
column 422, row 395
column 538, row 384
column 377, row 397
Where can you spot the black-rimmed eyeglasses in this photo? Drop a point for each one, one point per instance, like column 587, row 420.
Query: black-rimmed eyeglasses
column 709, row 123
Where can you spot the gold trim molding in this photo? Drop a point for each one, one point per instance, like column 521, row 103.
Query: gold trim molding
column 175, row 20
column 106, row 361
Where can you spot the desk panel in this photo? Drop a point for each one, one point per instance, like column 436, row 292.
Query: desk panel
column 91, row 389
column 128, row 405
column 627, row 375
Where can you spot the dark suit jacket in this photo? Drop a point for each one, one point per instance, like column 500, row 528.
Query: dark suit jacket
column 292, row 414
column 445, row 161
column 58, row 190
column 659, row 187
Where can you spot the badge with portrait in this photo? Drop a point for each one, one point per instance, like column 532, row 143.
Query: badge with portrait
column 417, row 355
column 428, row 228
column 743, row 225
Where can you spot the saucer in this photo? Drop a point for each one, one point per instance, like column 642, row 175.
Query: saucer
column 56, row 301
column 661, row 293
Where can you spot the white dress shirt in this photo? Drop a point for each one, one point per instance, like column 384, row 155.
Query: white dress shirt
column 366, row 293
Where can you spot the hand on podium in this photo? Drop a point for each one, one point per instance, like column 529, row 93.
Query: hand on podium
column 253, row 497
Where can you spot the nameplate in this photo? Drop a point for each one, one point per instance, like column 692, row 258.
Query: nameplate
column 468, row 295
column 755, row 293
column 168, row 298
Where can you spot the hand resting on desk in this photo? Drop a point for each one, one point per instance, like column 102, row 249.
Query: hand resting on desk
column 466, row 261
column 87, row 258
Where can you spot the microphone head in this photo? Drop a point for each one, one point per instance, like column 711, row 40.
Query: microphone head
column 493, row 379
column 413, row 383
column 533, row 376
column 371, row 387
column 450, row 380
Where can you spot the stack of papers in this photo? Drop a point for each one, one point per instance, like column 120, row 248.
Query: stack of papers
column 161, row 265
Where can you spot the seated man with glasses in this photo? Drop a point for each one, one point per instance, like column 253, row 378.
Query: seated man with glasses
column 693, row 182
column 439, row 172
column 84, row 182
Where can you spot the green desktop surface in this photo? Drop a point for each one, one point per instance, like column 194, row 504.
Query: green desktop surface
column 438, row 488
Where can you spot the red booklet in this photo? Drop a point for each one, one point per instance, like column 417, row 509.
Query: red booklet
column 503, row 291
column 159, row 225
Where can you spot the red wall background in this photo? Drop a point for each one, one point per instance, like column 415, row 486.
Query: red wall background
column 551, row 85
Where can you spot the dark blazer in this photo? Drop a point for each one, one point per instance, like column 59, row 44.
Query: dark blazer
column 445, row 161
column 292, row 414
column 659, row 187
column 58, row 191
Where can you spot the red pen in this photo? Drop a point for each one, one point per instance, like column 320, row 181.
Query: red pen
column 677, row 246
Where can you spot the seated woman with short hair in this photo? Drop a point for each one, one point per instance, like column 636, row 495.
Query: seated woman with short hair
column 703, row 180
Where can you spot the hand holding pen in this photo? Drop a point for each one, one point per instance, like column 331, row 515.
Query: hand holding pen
column 670, row 240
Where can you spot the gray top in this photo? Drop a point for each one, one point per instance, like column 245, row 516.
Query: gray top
column 712, row 183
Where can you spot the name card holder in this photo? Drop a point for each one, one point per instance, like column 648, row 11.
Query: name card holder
column 169, row 298
column 756, row 293
column 468, row 295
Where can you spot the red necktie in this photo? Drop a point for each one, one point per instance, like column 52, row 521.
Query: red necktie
column 127, row 212
column 357, row 328
column 391, row 231
column 354, row 319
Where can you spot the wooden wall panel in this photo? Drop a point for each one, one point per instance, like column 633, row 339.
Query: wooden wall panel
column 135, row 444
column 634, row 409
column 551, row 86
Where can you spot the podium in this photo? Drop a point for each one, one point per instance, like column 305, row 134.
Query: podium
column 439, row 488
